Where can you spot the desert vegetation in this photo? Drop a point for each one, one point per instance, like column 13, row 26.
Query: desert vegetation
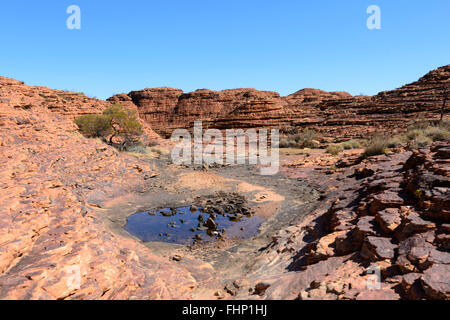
column 334, row 149
column 418, row 135
column 117, row 126
column 306, row 138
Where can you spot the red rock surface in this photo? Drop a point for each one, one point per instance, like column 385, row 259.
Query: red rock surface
column 52, row 183
column 166, row 109
column 16, row 94
column 360, row 228
column 376, row 220
column 335, row 114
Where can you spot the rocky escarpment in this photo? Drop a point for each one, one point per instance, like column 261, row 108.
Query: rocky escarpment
column 18, row 96
column 386, row 111
column 166, row 109
column 335, row 114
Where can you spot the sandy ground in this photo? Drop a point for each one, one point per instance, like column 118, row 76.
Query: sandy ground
column 198, row 180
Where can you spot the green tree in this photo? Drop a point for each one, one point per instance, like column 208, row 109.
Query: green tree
column 123, row 122
column 94, row 125
column 115, row 122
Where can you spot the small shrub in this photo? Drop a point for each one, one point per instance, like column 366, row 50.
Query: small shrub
column 114, row 122
column 444, row 125
column 419, row 125
column 307, row 139
column 414, row 133
column 420, row 142
column 304, row 139
column 418, row 193
column 377, row 146
column 94, row 125
column 160, row 151
column 436, row 133
column 355, row 144
column 287, row 143
column 334, row 149
column 394, row 142
column 347, row 145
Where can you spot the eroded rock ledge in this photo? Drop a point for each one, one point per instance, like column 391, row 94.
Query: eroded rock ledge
column 390, row 214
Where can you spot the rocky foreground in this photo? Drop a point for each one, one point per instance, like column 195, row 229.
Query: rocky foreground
column 387, row 216
column 50, row 183
column 390, row 213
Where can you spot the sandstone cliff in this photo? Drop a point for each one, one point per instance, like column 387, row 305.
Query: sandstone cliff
column 166, row 109
column 335, row 114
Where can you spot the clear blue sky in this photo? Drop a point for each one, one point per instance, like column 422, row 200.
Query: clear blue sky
column 219, row 44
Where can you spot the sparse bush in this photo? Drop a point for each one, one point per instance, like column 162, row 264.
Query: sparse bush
column 334, row 149
column 304, row 139
column 436, row 133
column 160, row 151
column 419, row 125
column 413, row 133
column 114, row 122
column 287, row 143
column 418, row 193
column 376, row 146
column 94, row 125
column 394, row 142
column 356, row 144
column 445, row 125
column 307, row 138
column 347, row 145
column 422, row 133
column 420, row 142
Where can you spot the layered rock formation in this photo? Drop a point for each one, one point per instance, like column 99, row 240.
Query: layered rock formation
column 166, row 109
column 386, row 111
column 335, row 114
column 18, row 96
